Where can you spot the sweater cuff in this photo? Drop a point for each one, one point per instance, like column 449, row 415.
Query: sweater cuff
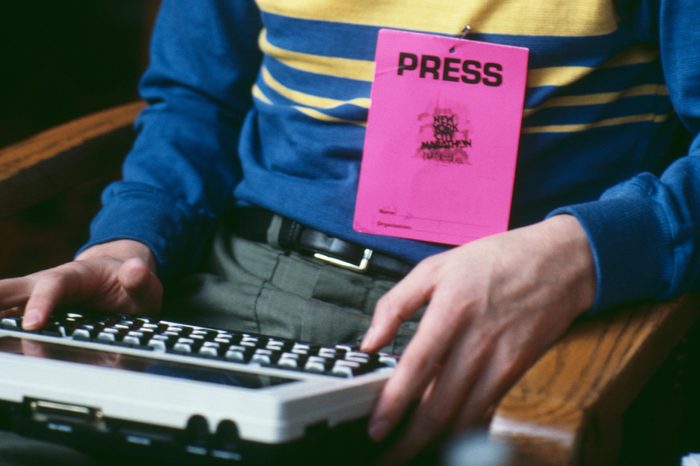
column 142, row 215
column 628, row 239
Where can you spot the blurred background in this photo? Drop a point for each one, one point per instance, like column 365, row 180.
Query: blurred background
column 61, row 60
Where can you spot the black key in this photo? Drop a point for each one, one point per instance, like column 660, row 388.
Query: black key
column 207, row 335
column 147, row 334
column 53, row 329
column 70, row 325
column 11, row 323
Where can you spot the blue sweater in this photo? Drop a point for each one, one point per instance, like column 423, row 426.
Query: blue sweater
column 265, row 103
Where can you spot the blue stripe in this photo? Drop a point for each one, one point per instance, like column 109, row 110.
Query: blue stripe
column 317, row 84
column 293, row 144
column 571, row 165
column 320, row 37
column 637, row 105
column 621, row 77
column 599, row 81
column 345, row 112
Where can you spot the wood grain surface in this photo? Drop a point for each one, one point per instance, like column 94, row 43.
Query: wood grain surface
column 62, row 157
column 567, row 409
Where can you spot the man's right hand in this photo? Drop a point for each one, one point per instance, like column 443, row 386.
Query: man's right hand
column 116, row 276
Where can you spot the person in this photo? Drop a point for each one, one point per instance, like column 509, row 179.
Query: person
column 604, row 209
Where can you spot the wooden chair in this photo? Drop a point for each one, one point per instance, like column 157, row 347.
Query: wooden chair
column 569, row 409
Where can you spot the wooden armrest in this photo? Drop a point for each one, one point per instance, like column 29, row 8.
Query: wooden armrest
column 44, row 165
column 567, row 409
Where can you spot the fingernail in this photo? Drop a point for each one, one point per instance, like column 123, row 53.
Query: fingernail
column 368, row 339
column 31, row 319
column 378, row 429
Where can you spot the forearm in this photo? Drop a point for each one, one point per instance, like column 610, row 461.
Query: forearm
column 180, row 175
column 644, row 231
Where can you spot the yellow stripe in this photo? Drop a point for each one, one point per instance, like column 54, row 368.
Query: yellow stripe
column 519, row 17
column 361, row 70
column 258, row 93
column 310, row 112
column 600, row 98
column 650, row 117
column 633, row 56
column 556, row 76
column 309, row 100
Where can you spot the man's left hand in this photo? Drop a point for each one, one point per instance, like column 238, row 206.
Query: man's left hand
column 494, row 306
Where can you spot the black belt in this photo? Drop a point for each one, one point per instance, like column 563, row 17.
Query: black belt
column 253, row 224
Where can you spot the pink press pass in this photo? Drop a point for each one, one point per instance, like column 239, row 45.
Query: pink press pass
column 442, row 138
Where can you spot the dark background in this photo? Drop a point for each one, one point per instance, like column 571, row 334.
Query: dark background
column 65, row 58
column 60, row 60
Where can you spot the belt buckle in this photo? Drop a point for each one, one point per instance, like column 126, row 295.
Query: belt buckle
column 361, row 267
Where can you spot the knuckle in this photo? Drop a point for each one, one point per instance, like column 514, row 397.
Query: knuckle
column 49, row 278
column 383, row 305
column 78, row 267
column 395, row 395
column 435, row 418
column 387, row 307
column 481, row 345
column 512, row 372
column 429, row 265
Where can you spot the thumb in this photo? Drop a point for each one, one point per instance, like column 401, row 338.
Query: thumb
column 141, row 284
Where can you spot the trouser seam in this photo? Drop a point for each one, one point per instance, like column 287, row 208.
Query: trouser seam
column 266, row 281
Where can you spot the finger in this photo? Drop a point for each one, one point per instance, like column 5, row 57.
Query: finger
column 415, row 369
column 14, row 292
column 47, row 293
column 142, row 286
column 500, row 375
column 438, row 409
column 398, row 305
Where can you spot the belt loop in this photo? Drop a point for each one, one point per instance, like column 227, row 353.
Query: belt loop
column 289, row 233
column 273, row 232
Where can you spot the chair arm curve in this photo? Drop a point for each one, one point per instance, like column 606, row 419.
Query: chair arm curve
column 567, row 409
column 62, row 157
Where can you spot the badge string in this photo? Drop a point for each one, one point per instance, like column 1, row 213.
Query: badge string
column 465, row 32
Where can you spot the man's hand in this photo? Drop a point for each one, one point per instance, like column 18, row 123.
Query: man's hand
column 116, row 276
column 494, row 307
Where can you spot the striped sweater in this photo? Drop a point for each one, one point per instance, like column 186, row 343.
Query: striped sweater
column 266, row 102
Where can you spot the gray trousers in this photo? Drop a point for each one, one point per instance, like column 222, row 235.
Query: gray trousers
column 253, row 287
column 256, row 287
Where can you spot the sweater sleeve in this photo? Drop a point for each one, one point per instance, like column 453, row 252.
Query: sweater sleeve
column 645, row 232
column 181, row 173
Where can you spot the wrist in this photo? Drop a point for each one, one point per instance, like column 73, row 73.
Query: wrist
column 123, row 249
column 574, row 259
